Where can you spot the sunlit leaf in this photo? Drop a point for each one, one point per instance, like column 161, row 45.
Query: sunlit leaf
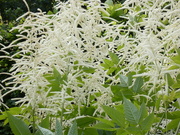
column 73, row 129
column 18, row 127
column 131, row 112
column 58, row 129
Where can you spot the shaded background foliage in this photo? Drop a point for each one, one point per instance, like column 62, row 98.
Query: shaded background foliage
column 11, row 9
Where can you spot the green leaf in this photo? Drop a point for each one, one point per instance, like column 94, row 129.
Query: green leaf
column 108, row 62
column 18, row 127
column 142, row 113
column 134, row 130
column 177, row 95
column 88, row 69
column 178, row 51
column 157, row 104
column 85, row 121
column 15, row 110
column 104, row 126
column 129, row 79
column 38, row 132
column 58, row 130
column 106, row 66
column 3, row 116
column 124, row 81
column 172, row 125
column 114, row 58
column 108, row 122
column 90, row 131
column 138, row 84
column 176, row 59
column 147, row 123
column 131, row 112
column 45, row 131
column 109, row 2
column 111, row 70
column 120, row 91
column 174, row 67
column 170, row 115
column 121, row 131
column 120, row 47
column 169, row 79
column 45, row 123
column 115, row 115
column 73, row 129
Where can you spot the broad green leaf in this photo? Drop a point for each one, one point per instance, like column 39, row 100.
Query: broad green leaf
column 88, row 69
column 175, row 114
column 45, row 131
column 138, row 84
column 88, row 110
column 174, row 67
column 142, row 112
column 14, row 110
column 114, row 58
column 177, row 94
column 104, row 126
column 85, row 121
column 18, row 127
column 38, row 132
column 115, row 115
column 176, row 85
column 120, row 91
column 178, row 51
column 90, row 131
column 170, row 115
column 157, row 104
column 134, row 130
column 45, row 123
column 3, row 116
column 106, row 66
column 131, row 112
column 56, row 74
column 147, row 123
column 73, row 129
column 124, row 81
column 120, row 108
column 108, row 122
column 6, row 122
column 58, row 129
column 120, row 47
column 111, row 70
column 178, row 78
column 121, row 131
column 129, row 79
column 108, row 62
column 177, row 103
column 169, row 79
column 173, row 124
column 109, row 2
column 176, row 59
column 55, row 80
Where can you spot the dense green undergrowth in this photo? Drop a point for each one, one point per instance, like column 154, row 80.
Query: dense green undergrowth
column 94, row 68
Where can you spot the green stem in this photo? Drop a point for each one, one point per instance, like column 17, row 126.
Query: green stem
column 177, row 130
column 159, row 122
column 62, row 108
column 33, row 115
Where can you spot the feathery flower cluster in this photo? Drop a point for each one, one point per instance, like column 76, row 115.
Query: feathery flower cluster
column 68, row 41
